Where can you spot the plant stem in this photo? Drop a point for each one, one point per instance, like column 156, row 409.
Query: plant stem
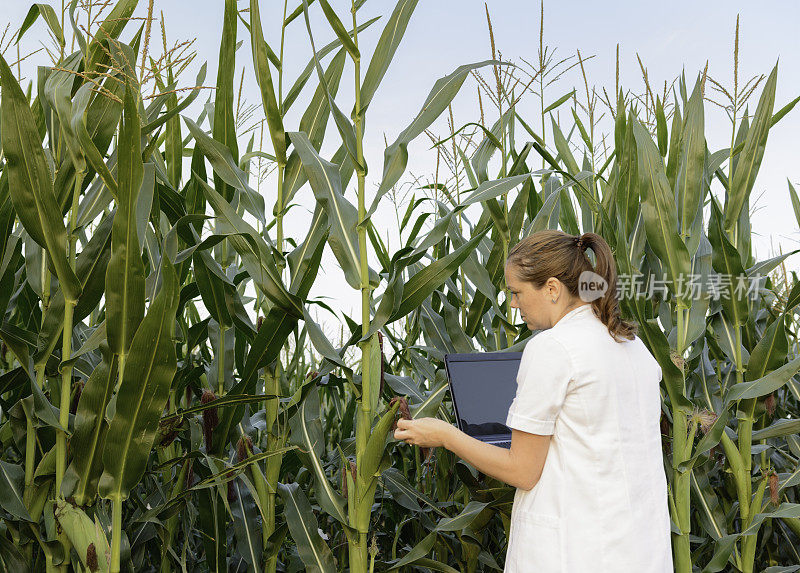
column 66, row 348
column 221, row 361
column 749, row 544
column 116, row 533
column 279, row 222
column 358, row 545
column 681, row 487
column 30, row 456
column 66, row 385
column 275, row 441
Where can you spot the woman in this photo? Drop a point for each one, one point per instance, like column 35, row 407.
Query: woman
column 585, row 452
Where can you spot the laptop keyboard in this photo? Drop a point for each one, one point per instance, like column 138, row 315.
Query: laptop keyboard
column 502, row 443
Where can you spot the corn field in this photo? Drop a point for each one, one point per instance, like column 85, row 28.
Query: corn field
column 169, row 400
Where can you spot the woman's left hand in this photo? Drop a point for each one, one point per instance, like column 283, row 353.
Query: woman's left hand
column 424, row 432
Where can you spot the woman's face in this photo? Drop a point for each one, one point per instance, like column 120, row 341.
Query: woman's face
column 531, row 302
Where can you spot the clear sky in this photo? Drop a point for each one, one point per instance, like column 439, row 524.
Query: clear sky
column 668, row 37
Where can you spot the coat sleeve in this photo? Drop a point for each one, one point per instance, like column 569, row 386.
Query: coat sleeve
column 544, row 374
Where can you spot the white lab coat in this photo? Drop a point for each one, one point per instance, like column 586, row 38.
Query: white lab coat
column 601, row 502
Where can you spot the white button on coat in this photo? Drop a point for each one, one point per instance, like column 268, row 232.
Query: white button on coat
column 601, row 502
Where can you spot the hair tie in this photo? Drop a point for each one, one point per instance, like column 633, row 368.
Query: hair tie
column 579, row 243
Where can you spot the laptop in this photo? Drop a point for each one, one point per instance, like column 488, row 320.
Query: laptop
column 483, row 385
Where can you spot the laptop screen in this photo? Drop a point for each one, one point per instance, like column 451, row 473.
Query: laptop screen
column 483, row 387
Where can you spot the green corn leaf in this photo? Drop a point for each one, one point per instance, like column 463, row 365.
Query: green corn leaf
column 125, row 271
column 564, row 152
column 587, row 140
column 727, row 260
column 314, row 552
column 778, row 429
column 399, row 299
column 143, row 392
column 764, row 385
column 294, row 14
column 767, row 266
column 307, row 435
column 711, row 515
column 785, row 510
column 174, row 142
column 90, row 430
column 90, row 269
column 266, row 347
column 313, row 122
column 256, row 255
column 48, row 14
column 12, row 557
column 29, row 181
column 461, row 342
column 213, row 284
column 211, row 519
column 472, row 267
column 224, row 129
column 395, row 158
column 674, row 145
column 247, row 529
column 91, row 152
column 340, row 30
column 434, row 565
column 725, row 337
column 417, row 552
column 695, row 326
column 770, row 351
column 219, row 403
column 489, row 144
column 326, row 185
column 110, row 29
column 661, row 128
column 421, row 285
column 744, row 175
column 171, row 112
column 658, row 208
column 493, row 189
column 304, row 261
column 321, row 342
column 689, row 185
column 343, row 125
column 430, row 405
column 626, row 189
column 463, row 519
column 546, row 215
column 304, row 76
column 397, row 483
column 58, row 92
column 387, row 46
column 795, row 202
column 655, row 340
column 558, row 102
column 265, row 83
column 12, row 477
column 227, row 169
column 434, row 328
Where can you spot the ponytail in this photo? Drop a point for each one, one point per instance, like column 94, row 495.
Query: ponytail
column 606, row 308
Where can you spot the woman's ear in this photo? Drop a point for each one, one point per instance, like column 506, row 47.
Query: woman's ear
column 553, row 287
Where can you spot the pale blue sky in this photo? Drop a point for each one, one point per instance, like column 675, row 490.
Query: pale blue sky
column 668, row 36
